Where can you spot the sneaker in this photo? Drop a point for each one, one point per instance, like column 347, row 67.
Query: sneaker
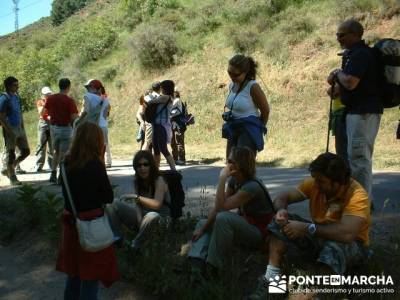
column 4, row 172
column 14, row 181
column 53, row 177
column 18, row 170
column 180, row 162
column 261, row 292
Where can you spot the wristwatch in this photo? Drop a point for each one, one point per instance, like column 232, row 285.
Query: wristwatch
column 136, row 198
column 312, row 228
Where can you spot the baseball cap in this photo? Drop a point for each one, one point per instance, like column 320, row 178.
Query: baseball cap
column 93, row 83
column 46, row 90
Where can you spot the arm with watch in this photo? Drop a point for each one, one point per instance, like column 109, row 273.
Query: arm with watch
column 343, row 231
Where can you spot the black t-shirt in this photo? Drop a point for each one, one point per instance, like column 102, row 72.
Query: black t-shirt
column 90, row 187
column 361, row 62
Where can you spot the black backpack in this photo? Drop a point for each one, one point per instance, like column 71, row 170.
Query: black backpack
column 387, row 52
column 174, row 181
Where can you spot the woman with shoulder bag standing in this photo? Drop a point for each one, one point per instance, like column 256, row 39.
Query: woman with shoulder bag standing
column 90, row 190
column 143, row 209
column 248, row 108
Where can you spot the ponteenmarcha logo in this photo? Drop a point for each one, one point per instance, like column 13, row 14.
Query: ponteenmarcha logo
column 277, row 285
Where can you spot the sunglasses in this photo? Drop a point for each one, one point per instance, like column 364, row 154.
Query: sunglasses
column 341, row 34
column 234, row 75
column 231, row 161
column 142, row 165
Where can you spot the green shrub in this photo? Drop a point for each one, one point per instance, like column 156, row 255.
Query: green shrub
column 242, row 40
column 89, row 41
column 154, row 47
column 109, row 73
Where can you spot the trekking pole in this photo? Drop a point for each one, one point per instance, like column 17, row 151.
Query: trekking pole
column 330, row 115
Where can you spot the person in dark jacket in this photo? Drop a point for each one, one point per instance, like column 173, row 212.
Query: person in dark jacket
column 91, row 190
column 358, row 80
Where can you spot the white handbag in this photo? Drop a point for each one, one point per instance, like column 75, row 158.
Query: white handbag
column 94, row 235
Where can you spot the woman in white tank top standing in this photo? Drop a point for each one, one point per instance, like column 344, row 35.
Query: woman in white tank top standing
column 246, row 107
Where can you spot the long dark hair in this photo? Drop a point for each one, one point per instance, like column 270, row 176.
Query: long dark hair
column 139, row 182
column 245, row 64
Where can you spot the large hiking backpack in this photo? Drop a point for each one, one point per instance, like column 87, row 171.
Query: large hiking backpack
column 388, row 55
column 174, row 180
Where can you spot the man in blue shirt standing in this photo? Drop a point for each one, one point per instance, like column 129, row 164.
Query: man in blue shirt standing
column 13, row 129
column 359, row 92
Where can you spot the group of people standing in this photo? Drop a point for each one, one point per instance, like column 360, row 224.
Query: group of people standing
column 58, row 116
column 156, row 134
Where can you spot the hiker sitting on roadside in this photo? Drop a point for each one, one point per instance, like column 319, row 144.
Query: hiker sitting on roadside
column 144, row 208
column 213, row 238
column 337, row 235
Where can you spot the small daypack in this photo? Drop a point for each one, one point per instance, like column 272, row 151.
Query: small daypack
column 177, row 195
column 387, row 52
column 8, row 99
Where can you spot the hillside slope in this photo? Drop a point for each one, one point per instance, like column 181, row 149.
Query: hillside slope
column 293, row 41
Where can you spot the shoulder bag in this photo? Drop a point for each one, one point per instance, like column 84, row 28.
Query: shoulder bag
column 94, row 235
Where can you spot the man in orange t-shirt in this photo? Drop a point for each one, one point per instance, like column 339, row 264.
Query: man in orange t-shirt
column 337, row 236
column 44, row 138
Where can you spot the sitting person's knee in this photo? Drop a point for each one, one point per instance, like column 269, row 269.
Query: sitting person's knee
column 223, row 217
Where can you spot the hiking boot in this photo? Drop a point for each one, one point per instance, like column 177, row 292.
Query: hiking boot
column 18, row 170
column 261, row 292
column 53, row 177
column 14, row 181
column 4, row 172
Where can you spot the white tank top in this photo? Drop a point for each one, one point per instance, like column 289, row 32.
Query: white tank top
column 243, row 104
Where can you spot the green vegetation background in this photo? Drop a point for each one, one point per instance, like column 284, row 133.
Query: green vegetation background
column 129, row 44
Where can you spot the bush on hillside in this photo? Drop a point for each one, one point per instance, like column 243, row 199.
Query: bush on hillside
column 89, row 41
column 62, row 9
column 242, row 40
column 154, row 47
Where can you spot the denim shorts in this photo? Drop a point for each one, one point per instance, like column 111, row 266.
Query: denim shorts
column 338, row 256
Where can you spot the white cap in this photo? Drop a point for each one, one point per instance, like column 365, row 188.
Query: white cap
column 46, row 91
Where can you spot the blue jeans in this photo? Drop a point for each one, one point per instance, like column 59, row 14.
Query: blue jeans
column 77, row 289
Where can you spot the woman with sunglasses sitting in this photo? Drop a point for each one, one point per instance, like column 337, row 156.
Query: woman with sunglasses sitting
column 213, row 238
column 144, row 208
column 247, row 107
